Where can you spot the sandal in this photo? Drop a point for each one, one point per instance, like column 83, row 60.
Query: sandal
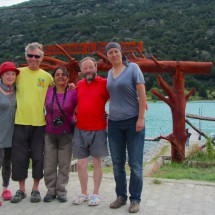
column 19, row 196
column 6, row 195
column 94, row 200
column 80, row 199
column 35, row 196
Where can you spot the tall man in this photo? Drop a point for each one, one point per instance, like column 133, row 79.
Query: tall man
column 28, row 137
column 90, row 137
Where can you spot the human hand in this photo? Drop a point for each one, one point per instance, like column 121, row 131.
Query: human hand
column 71, row 86
column 147, row 107
column 140, row 124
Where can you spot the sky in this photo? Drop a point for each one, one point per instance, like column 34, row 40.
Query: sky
column 10, row 2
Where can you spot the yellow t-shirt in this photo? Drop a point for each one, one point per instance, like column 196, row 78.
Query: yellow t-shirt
column 31, row 88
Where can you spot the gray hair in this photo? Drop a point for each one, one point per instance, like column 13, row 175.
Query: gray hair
column 88, row 58
column 34, row 45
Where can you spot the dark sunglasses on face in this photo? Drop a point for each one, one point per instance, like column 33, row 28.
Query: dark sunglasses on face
column 33, row 55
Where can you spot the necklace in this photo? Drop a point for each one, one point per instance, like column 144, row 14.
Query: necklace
column 6, row 93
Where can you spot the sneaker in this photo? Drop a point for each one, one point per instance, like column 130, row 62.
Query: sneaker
column 134, row 207
column 62, row 198
column 19, row 196
column 35, row 196
column 120, row 201
column 6, row 195
column 49, row 198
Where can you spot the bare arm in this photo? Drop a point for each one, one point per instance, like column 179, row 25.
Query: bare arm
column 142, row 106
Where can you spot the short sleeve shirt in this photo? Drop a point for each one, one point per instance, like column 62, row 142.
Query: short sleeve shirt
column 123, row 95
column 91, row 104
column 31, row 88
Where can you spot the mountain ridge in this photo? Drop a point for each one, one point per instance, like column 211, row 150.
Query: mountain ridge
column 170, row 30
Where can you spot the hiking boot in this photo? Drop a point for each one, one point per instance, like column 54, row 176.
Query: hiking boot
column 120, row 201
column 62, row 198
column 19, row 196
column 49, row 198
column 35, row 196
column 134, row 207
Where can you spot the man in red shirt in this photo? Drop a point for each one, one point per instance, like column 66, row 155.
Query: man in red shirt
column 90, row 136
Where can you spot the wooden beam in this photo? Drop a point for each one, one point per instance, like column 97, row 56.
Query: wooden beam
column 153, row 139
column 196, row 129
column 200, row 117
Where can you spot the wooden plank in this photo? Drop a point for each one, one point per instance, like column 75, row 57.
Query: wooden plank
column 196, row 129
column 193, row 116
column 152, row 138
column 89, row 48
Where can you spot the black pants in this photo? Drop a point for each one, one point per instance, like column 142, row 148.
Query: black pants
column 5, row 163
column 28, row 143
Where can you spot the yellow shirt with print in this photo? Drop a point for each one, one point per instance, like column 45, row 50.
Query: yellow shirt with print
column 31, row 88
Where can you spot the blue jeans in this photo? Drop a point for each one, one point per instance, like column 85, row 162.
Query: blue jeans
column 122, row 135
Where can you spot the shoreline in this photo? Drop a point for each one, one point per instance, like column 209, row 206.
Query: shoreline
column 151, row 152
column 200, row 100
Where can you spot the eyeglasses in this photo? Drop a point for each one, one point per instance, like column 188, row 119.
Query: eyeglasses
column 33, row 55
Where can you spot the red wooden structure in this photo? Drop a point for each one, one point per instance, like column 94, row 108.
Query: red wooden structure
column 176, row 98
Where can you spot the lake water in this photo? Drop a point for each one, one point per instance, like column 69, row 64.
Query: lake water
column 158, row 119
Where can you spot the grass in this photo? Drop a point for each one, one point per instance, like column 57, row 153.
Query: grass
column 181, row 171
column 162, row 152
column 199, row 165
column 105, row 169
column 108, row 169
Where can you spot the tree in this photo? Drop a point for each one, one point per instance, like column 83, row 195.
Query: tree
column 203, row 92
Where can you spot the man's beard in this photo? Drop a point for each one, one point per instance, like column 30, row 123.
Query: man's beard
column 90, row 78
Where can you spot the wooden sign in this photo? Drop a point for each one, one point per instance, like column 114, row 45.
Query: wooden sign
column 89, row 48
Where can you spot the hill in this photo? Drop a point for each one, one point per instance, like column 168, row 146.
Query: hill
column 170, row 30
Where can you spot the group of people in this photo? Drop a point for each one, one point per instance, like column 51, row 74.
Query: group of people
column 40, row 111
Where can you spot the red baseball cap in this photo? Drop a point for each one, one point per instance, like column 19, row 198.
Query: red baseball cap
column 8, row 66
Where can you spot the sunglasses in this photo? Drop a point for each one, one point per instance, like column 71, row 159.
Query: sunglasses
column 33, row 55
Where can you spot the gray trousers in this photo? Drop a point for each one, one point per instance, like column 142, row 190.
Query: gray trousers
column 57, row 162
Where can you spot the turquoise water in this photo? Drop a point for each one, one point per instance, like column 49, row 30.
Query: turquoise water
column 159, row 117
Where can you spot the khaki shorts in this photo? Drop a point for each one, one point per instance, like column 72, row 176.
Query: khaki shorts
column 90, row 143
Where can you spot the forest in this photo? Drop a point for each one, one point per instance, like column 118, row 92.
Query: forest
column 181, row 30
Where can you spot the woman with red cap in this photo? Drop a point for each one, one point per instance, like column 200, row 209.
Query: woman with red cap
column 8, row 74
